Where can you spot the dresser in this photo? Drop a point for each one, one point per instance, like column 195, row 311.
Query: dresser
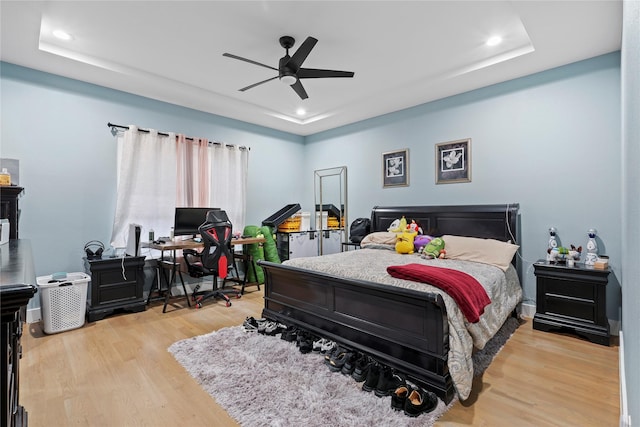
column 573, row 299
column 17, row 287
column 9, row 208
column 116, row 284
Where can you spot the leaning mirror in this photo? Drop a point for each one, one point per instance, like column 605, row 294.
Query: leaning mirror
column 330, row 194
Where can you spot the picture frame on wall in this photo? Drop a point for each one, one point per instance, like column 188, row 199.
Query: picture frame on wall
column 453, row 161
column 395, row 168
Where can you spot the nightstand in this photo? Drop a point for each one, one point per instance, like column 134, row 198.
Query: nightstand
column 573, row 299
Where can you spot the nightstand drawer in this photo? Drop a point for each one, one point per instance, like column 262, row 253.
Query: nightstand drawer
column 571, row 307
column 569, row 288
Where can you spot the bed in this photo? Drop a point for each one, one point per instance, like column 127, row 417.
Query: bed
column 410, row 326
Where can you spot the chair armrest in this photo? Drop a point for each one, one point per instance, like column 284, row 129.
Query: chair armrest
column 192, row 252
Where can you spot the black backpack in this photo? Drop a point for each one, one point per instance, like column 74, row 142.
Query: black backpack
column 360, row 227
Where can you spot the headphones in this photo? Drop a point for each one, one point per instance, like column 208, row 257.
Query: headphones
column 94, row 253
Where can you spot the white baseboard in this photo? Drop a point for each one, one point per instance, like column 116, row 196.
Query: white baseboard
column 625, row 418
column 34, row 315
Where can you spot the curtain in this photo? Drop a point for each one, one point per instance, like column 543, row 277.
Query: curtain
column 146, row 182
column 229, row 170
column 156, row 173
column 193, row 172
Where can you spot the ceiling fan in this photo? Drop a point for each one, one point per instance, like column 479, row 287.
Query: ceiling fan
column 290, row 69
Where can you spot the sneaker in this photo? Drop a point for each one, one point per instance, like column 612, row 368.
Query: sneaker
column 317, row 345
column 336, row 363
column 350, row 363
column 332, row 353
column 399, row 397
column 274, row 328
column 388, row 382
column 251, row 324
column 361, row 369
column 289, row 334
column 328, row 347
column 373, row 375
column 420, row 401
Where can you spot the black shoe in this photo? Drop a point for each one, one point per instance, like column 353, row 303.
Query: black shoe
column 350, row 363
column 399, row 397
column 388, row 382
column 332, row 354
column 289, row 334
column 361, row 369
column 420, row 401
column 372, row 377
column 336, row 363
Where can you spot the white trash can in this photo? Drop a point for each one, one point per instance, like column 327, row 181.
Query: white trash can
column 63, row 301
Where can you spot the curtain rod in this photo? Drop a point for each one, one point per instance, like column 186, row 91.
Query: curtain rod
column 111, row 125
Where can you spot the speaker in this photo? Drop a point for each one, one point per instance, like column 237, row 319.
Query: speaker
column 94, row 249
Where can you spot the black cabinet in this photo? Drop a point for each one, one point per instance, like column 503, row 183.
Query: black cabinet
column 116, row 284
column 9, row 208
column 17, row 287
column 572, row 299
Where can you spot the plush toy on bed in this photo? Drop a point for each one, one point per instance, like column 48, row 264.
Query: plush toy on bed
column 404, row 242
column 398, row 226
column 420, row 241
column 435, row 249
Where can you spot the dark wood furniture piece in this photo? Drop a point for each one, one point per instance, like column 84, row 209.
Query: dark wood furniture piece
column 111, row 290
column 572, row 299
column 17, row 287
column 401, row 328
column 9, row 208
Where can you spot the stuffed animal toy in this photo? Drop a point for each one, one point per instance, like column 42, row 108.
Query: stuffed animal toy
column 435, row 249
column 404, row 242
column 413, row 226
column 398, row 227
column 420, row 241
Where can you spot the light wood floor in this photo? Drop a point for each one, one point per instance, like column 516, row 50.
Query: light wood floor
column 118, row 372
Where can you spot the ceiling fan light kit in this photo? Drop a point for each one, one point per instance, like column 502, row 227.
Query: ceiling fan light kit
column 290, row 69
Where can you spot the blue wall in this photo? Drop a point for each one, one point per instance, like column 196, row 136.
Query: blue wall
column 550, row 141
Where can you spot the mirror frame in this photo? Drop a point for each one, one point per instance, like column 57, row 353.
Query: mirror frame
column 324, row 174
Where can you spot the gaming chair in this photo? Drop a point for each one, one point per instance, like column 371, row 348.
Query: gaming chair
column 215, row 259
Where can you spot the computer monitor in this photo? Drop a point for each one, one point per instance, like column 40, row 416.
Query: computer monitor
column 187, row 220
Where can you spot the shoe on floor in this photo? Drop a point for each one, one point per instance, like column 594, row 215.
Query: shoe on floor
column 319, row 344
column 388, row 382
column 289, row 334
column 252, row 324
column 350, row 363
column 336, row 363
column 361, row 369
column 373, row 375
column 399, row 397
column 420, row 401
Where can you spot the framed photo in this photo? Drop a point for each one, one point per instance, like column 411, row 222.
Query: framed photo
column 453, row 161
column 395, row 168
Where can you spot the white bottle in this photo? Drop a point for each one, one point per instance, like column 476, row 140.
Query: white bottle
column 171, row 234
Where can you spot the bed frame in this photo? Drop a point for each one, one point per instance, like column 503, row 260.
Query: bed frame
column 401, row 328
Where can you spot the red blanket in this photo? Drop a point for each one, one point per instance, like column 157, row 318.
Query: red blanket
column 465, row 290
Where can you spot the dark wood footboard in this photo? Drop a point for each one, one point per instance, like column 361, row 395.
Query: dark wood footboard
column 401, row 328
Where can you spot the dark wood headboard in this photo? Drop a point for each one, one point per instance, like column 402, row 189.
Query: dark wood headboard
column 500, row 222
column 484, row 221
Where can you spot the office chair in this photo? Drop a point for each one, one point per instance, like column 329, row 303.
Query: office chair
column 214, row 259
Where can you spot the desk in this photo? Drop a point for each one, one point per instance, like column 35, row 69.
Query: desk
column 178, row 244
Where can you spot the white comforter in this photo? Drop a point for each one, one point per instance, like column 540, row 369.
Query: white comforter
column 502, row 288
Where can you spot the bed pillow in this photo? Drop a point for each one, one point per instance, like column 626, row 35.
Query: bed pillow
column 379, row 238
column 487, row 251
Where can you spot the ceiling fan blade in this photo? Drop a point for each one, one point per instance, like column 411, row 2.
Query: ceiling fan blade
column 299, row 89
column 257, row 84
column 301, row 54
column 311, row 73
column 229, row 55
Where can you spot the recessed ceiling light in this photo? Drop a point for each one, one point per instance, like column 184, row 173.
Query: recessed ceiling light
column 62, row 35
column 494, row 41
column 301, row 112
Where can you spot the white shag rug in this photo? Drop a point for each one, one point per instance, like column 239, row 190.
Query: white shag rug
column 265, row 381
